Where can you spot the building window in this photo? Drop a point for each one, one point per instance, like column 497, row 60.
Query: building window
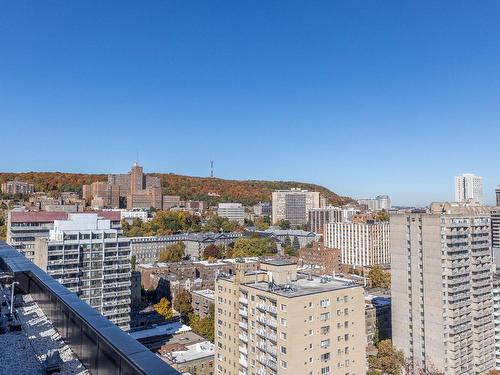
column 325, row 357
column 283, row 335
column 283, row 307
column 283, row 350
column 325, row 302
column 283, row 322
column 324, row 316
column 325, row 330
column 283, row 364
column 325, row 343
column 325, row 370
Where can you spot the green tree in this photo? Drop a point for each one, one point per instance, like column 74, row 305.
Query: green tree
column 172, row 253
column 206, row 326
column 284, row 224
column 133, row 261
column 253, row 246
column 220, row 224
column 388, row 359
column 379, row 278
column 382, row 215
column 261, row 224
column 182, row 304
column 163, row 308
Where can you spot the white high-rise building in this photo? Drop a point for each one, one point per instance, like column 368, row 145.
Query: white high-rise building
column 361, row 244
column 89, row 258
column 469, row 189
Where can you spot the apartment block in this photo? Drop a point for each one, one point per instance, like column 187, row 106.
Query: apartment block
column 320, row 260
column 293, row 205
column 319, row 217
column 442, row 300
column 276, row 321
column 24, row 227
column 361, row 244
column 201, row 301
column 86, row 255
column 263, row 209
column 232, row 211
column 17, row 187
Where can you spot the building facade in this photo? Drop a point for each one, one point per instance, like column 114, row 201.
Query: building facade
column 201, row 301
column 232, row 211
column 469, row 189
column 17, row 187
column 319, row 217
column 89, row 258
column 442, row 300
column 276, row 321
column 361, row 244
column 380, row 202
column 496, row 317
column 293, row 205
column 24, row 227
column 320, row 260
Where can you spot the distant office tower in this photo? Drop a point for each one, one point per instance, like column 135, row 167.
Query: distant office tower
column 276, row 321
column 136, row 178
column 380, row 202
column 319, row 217
column 170, row 201
column 232, row 211
column 497, row 195
column 361, row 244
column 17, row 187
column 89, row 258
column 294, row 205
column 442, row 301
column 469, row 189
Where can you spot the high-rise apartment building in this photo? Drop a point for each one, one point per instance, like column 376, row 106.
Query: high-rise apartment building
column 497, row 195
column 380, row 202
column 232, row 211
column 24, row 227
column 361, row 244
column 17, row 187
column 276, row 321
column 442, row 301
column 495, row 235
column 496, row 318
column 89, row 258
column 294, row 205
column 319, row 217
column 469, row 189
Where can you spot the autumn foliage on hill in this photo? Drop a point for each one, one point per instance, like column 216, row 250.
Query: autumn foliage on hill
column 213, row 190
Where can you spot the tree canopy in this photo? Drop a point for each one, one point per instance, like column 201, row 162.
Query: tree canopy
column 253, row 246
column 182, row 303
column 163, row 308
column 379, row 278
column 206, row 326
column 172, row 253
column 388, row 360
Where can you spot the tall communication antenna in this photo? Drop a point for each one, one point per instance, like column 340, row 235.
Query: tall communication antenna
column 211, row 168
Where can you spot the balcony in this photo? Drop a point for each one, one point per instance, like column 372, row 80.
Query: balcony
column 243, row 312
column 243, row 362
column 243, row 300
column 243, row 337
column 243, row 325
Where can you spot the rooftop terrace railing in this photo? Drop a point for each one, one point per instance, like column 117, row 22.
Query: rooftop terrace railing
column 101, row 346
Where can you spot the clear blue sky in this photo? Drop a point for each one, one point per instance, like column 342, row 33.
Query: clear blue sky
column 364, row 97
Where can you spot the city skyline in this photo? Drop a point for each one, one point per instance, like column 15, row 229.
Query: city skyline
column 377, row 106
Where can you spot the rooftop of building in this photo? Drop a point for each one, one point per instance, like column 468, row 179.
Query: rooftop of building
column 46, row 217
column 194, row 352
column 303, row 286
column 184, row 339
column 207, row 293
column 278, row 262
column 24, row 351
column 171, row 328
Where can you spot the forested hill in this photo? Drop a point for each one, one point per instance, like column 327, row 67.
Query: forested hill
column 198, row 188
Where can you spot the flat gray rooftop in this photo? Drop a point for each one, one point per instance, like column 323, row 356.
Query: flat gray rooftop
column 302, row 287
column 23, row 352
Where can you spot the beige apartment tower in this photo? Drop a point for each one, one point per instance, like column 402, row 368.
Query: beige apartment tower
column 442, row 301
column 276, row 321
